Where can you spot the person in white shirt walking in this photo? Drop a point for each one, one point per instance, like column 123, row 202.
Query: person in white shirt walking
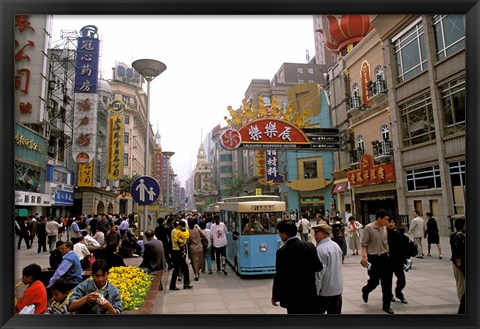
column 417, row 230
column 304, row 227
column 219, row 241
column 329, row 281
column 353, row 229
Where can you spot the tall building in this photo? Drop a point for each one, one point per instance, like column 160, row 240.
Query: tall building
column 398, row 96
column 204, row 185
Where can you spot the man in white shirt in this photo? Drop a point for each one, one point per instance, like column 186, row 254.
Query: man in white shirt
column 329, row 281
column 89, row 240
column 417, row 230
column 304, row 227
column 219, row 240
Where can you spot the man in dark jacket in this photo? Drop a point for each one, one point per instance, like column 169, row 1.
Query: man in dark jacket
column 153, row 255
column 42, row 234
column 162, row 234
column 398, row 251
column 296, row 264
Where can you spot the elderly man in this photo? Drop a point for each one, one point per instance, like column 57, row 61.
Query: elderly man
column 70, row 267
column 329, row 281
column 153, row 255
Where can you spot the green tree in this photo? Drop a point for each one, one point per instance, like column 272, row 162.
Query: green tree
column 126, row 184
column 237, row 183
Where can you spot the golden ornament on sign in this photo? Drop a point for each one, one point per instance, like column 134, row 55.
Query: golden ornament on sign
column 248, row 112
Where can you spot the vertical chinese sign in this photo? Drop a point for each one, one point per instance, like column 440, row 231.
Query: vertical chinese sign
column 115, row 140
column 86, row 98
column 85, row 174
column 365, row 74
column 31, row 43
column 273, row 176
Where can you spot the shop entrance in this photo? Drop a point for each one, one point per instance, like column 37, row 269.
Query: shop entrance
column 368, row 208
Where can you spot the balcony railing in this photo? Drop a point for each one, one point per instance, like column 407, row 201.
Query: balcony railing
column 356, row 155
column 382, row 148
column 377, row 87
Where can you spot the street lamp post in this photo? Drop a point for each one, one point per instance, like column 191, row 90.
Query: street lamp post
column 149, row 69
column 168, row 155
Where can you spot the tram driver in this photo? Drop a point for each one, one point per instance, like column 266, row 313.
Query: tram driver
column 253, row 225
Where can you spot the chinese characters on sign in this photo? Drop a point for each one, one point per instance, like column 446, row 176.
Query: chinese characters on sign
column 30, row 46
column 115, row 147
column 270, row 132
column 86, row 98
column 273, row 176
column 365, row 74
column 370, row 173
column 85, row 174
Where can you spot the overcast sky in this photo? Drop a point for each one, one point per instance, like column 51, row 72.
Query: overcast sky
column 210, row 61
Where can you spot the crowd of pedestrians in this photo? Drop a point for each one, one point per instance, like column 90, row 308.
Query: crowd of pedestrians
column 308, row 280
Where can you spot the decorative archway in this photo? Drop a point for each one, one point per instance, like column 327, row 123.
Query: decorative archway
column 110, row 208
column 100, row 207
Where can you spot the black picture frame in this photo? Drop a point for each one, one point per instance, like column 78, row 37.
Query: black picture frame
column 9, row 8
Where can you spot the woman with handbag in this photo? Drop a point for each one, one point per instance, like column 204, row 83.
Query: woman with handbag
column 353, row 228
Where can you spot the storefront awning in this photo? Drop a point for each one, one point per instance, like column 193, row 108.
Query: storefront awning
column 340, row 188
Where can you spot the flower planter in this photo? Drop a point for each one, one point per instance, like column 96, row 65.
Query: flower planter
column 151, row 296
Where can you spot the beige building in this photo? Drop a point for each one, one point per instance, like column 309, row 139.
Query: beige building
column 399, row 98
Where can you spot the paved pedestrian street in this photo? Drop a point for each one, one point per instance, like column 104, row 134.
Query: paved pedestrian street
column 430, row 289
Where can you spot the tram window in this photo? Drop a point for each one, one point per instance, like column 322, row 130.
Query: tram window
column 259, row 223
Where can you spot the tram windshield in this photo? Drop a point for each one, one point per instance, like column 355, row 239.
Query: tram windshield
column 259, row 223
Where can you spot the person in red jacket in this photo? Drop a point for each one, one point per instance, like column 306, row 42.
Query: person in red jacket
column 35, row 293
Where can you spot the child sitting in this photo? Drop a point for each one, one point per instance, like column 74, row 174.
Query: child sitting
column 61, row 291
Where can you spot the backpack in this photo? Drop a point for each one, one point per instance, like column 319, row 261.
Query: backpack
column 412, row 249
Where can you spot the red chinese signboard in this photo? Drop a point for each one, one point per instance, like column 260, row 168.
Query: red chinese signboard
column 271, row 131
column 369, row 173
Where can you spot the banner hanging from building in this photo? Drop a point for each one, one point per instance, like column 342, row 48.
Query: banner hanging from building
column 115, row 147
column 31, row 35
column 86, row 98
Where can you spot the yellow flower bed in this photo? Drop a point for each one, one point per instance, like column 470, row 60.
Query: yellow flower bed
column 133, row 284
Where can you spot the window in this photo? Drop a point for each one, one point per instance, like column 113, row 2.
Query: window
column 125, row 159
column 300, row 70
column 310, row 169
column 310, row 70
column 457, row 176
column 126, row 137
column 417, row 121
column 379, row 75
column 423, row 179
column 453, row 103
column 225, row 157
column 384, row 132
column 449, row 33
column 127, row 119
column 311, row 81
column 126, row 99
column 356, row 89
column 301, row 81
column 361, row 142
column 410, row 53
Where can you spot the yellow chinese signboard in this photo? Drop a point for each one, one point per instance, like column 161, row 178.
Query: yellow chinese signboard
column 85, row 174
column 115, row 147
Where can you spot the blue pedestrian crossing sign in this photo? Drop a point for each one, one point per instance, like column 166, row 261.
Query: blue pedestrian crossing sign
column 145, row 190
